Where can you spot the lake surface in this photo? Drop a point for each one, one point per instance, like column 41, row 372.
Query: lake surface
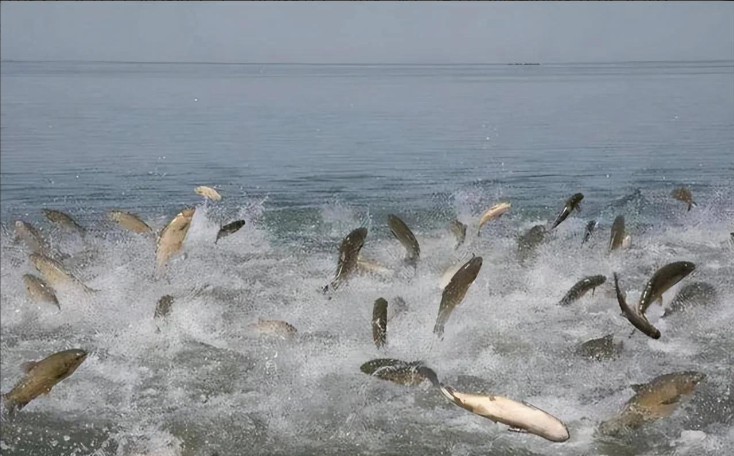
column 307, row 153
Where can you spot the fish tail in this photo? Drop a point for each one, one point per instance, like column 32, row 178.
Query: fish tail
column 9, row 406
column 438, row 329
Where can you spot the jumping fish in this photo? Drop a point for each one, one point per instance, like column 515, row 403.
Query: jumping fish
column 684, row 195
column 39, row 290
column 396, row 371
column 590, row 227
column 379, row 322
column 638, row 320
column 574, row 202
column 661, row 281
column 458, row 229
column 208, row 192
column 42, row 376
column 519, row 416
column 455, row 292
column 129, row 221
column 63, row 220
column 696, row 293
column 406, row 237
column 228, row 229
column 373, row 267
column 529, row 241
column 600, row 349
column 348, row 257
column 163, row 308
column 652, row 401
column 274, row 328
column 171, row 238
column 617, row 237
column 581, row 288
column 492, row 213
column 31, row 237
column 55, row 273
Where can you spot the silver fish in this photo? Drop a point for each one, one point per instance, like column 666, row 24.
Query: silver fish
column 39, row 290
column 379, row 322
column 171, row 238
column 63, row 220
column 574, row 202
column 617, row 237
column 638, row 320
column 129, row 221
column 581, row 288
column 662, row 280
column 348, row 257
column 228, row 229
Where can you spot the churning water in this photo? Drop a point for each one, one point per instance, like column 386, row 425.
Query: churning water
column 305, row 154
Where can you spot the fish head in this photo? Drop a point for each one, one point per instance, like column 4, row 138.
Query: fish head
column 188, row 212
column 688, row 380
column 472, row 267
column 575, row 199
column 72, row 359
column 356, row 238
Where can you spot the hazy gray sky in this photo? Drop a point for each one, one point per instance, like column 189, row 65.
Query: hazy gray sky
column 367, row 32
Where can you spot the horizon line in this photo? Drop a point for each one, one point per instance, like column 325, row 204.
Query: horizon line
column 518, row 63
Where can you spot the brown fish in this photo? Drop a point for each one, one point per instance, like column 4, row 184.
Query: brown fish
column 394, row 370
column 638, row 320
column 618, row 234
column 459, row 231
column 455, row 292
column 663, row 279
column 171, row 238
column 129, row 221
column 63, row 220
column 42, row 376
column 652, row 401
column 600, row 349
column 348, row 257
column 406, row 237
column 39, row 290
column 55, row 273
column 31, row 237
column 581, row 288
column 492, row 213
column 684, row 195
column 379, row 322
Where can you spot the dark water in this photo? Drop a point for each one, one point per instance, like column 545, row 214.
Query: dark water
column 305, row 154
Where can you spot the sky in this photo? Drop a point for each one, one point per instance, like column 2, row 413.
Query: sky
column 367, row 32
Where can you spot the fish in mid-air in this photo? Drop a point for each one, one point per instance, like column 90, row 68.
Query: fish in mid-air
column 39, row 290
column 637, row 319
column 492, row 213
column 275, row 328
column 600, row 349
column 63, row 220
column 208, row 192
column 171, row 238
column 618, row 234
column 406, row 237
column 458, row 229
column 455, row 292
column 396, row 371
column 129, row 221
column 228, row 229
column 348, row 257
column 519, row 416
column 379, row 322
column 663, row 279
column 55, row 273
column 572, row 203
column 590, row 227
column 42, row 376
column 653, row 401
column 31, row 237
column 684, row 195
column 581, row 288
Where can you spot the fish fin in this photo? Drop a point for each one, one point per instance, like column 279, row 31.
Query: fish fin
column 10, row 405
column 636, row 387
column 517, row 429
column 27, row 366
column 529, row 405
column 672, row 400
